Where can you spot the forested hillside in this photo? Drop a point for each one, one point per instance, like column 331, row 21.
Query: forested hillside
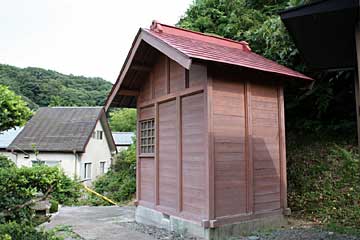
column 40, row 87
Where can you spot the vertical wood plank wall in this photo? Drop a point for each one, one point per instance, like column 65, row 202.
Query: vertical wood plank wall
column 229, row 140
column 167, row 148
column 193, row 155
column 172, row 180
column 146, row 164
column 248, row 130
column 219, row 156
column 266, row 155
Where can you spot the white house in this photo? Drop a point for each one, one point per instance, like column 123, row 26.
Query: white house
column 6, row 138
column 76, row 138
column 123, row 140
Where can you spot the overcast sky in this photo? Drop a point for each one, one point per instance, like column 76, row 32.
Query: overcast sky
column 82, row 37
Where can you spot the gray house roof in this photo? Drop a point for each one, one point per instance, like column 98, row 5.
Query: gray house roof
column 8, row 136
column 61, row 129
column 123, row 138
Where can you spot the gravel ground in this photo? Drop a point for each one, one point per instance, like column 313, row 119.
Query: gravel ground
column 302, row 233
column 292, row 233
column 157, row 233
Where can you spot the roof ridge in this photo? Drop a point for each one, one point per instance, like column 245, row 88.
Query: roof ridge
column 58, row 129
column 159, row 27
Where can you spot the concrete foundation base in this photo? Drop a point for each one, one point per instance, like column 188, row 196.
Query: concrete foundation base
column 155, row 218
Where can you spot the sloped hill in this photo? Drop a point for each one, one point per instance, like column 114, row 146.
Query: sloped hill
column 40, row 87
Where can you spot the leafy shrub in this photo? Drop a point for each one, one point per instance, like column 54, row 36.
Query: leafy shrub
column 67, row 191
column 5, row 162
column 119, row 184
column 89, row 199
column 54, row 206
column 16, row 231
column 324, row 183
column 13, row 109
column 18, row 187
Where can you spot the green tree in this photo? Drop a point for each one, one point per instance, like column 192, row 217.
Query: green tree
column 123, row 120
column 13, row 110
column 119, row 184
column 40, row 87
column 328, row 105
column 254, row 21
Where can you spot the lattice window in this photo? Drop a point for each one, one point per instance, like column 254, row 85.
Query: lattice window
column 147, row 136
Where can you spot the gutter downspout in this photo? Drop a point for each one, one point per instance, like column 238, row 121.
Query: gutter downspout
column 75, row 163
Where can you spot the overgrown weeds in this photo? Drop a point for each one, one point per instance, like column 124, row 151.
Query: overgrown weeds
column 324, row 183
column 119, row 183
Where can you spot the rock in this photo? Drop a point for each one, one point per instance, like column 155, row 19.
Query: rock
column 253, row 238
column 41, row 206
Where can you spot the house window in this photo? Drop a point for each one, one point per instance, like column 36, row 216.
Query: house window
column 97, row 134
column 147, row 136
column 102, row 167
column 49, row 163
column 52, row 163
column 87, row 170
column 37, row 162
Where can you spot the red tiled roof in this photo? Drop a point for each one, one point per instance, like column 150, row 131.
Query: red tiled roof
column 217, row 49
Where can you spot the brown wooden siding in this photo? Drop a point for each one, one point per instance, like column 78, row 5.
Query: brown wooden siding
column 147, row 112
column 175, row 173
column 146, row 89
column 193, row 155
column 218, row 138
column 229, row 140
column 167, row 155
column 197, row 75
column 265, row 132
column 146, row 164
column 147, row 179
column 177, row 77
column 160, row 77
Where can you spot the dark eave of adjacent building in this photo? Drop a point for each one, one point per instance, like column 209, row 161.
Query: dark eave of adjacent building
column 324, row 33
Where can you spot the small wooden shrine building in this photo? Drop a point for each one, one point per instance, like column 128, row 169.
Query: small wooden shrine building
column 211, row 139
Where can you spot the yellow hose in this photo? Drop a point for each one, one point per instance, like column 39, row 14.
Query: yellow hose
column 99, row 195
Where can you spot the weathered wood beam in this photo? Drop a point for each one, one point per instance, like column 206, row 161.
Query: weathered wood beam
column 282, row 150
column 182, row 93
column 179, row 154
column 210, row 150
column 249, row 151
column 127, row 92
column 172, row 53
column 167, row 75
column 156, row 160
column 138, row 163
